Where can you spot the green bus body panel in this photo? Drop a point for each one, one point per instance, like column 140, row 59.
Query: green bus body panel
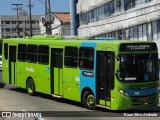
column 102, row 102
column 57, row 81
column 66, row 79
column 42, row 79
column 5, row 70
column 58, row 74
column 71, row 83
column 12, row 73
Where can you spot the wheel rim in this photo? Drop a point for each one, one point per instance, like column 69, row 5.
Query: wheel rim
column 90, row 100
column 30, row 87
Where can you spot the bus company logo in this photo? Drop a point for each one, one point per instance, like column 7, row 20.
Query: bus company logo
column 89, row 74
column 30, row 69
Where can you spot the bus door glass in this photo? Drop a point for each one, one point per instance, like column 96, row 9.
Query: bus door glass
column 12, row 64
column 56, row 70
column 105, row 77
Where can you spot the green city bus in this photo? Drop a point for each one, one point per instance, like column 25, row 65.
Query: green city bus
column 103, row 72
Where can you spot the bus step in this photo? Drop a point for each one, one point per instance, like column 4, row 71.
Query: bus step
column 57, row 96
column 13, row 85
column 102, row 106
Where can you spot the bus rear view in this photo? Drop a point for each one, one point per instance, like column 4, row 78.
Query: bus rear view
column 138, row 76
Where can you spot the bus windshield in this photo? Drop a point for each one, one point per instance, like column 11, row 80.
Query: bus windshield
column 139, row 67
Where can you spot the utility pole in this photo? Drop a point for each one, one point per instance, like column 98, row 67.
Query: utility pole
column 30, row 17
column 48, row 21
column 49, row 12
column 17, row 9
column 46, row 11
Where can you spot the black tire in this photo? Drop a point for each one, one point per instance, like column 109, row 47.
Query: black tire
column 89, row 100
column 30, row 87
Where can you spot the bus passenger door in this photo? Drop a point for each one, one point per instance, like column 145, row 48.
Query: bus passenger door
column 12, row 65
column 105, row 77
column 56, row 71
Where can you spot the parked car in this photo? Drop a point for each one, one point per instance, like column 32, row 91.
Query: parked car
column 0, row 62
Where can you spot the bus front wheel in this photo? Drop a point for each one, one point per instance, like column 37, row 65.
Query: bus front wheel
column 30, row 87
column 89, row 100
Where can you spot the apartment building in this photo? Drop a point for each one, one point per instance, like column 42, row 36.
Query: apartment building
column 9, row 26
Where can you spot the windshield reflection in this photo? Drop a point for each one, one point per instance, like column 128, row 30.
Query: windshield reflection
column 138, row 67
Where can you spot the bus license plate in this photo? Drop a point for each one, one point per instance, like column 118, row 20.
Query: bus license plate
column 143, row 99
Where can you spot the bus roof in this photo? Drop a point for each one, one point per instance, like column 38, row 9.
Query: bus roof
column 101, row 44
column 69, row 39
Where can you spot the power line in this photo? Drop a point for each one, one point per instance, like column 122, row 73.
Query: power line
column 41, row 2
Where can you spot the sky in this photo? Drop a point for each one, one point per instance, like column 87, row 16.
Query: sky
column 38, row 9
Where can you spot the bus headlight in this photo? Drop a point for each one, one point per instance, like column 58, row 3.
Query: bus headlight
column 123, row 93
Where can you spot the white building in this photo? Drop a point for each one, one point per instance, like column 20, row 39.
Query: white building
column 8, row 26
column 121, row 19
column 60, row 25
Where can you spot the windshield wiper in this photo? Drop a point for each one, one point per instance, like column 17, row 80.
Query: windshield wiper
column 150, row 55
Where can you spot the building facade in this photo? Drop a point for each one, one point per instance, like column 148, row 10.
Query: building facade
column 9, row 29
column 60, row 24
column 121, row 19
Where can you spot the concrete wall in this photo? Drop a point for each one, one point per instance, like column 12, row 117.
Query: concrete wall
column 66, row 30
column 42, row 28
column 56, row 26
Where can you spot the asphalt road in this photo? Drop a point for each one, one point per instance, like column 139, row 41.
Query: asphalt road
column 16, row 99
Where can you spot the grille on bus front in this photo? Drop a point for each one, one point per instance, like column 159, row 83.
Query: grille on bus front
column 139, row 101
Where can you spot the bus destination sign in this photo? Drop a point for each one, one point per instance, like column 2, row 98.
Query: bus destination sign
column 138, row 47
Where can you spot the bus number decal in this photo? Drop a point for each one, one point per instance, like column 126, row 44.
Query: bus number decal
column 77, row 79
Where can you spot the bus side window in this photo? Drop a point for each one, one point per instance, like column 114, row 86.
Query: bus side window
column 0, row 47
column 43, row 54
column 22, row 52
column 71, row 56
column 6, row 51
column 86, row 58
column 32, row 53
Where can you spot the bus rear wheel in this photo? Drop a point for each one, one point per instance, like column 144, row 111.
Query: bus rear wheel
column 30, row 87
column 89, row 100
